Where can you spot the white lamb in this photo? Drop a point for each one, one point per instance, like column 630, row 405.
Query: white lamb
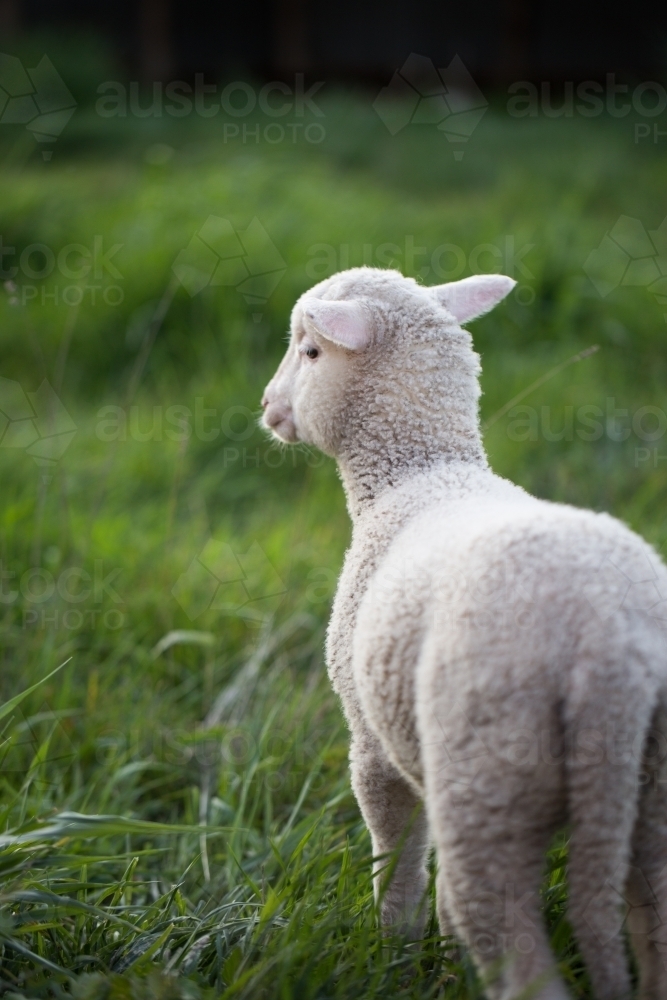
column 499, row 658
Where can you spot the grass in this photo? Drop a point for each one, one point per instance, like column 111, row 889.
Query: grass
column 176, row 812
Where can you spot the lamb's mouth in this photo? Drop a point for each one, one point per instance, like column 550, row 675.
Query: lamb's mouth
column 283, row 430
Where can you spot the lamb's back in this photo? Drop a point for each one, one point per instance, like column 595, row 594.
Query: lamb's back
column 513, row 548
column 504, row 592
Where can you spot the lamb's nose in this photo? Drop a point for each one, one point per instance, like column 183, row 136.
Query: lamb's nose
column 265, row 402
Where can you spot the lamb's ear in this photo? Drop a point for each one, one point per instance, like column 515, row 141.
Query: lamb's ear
column 344, row 323
column 472, row 297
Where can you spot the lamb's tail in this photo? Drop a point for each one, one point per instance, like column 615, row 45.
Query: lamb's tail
column 617, row 790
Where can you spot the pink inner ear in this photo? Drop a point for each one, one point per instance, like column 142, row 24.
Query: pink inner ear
column 343, row 323
column 473, row 296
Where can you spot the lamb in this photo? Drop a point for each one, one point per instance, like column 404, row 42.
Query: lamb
column 500, row 659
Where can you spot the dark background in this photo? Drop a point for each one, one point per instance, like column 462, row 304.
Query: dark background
column 352, row 41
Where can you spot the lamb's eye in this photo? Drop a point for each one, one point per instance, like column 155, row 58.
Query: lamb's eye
column 311, row 352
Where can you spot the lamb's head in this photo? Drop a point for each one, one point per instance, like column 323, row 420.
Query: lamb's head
column 376, row 360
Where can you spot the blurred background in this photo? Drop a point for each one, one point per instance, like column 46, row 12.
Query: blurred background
column 175, row 798
column 499, row 42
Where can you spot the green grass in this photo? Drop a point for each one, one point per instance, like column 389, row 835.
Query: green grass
column 113, row 767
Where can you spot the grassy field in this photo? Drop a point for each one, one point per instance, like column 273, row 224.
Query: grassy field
column 176, row 812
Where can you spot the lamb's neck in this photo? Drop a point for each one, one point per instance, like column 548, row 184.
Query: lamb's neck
column 372, row 470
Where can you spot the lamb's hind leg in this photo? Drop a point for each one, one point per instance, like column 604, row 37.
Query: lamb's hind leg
column 492, row 821
column 597, row 871
column 646, row 888
column 491, row 887
column 397, row 823
column 603, row 790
